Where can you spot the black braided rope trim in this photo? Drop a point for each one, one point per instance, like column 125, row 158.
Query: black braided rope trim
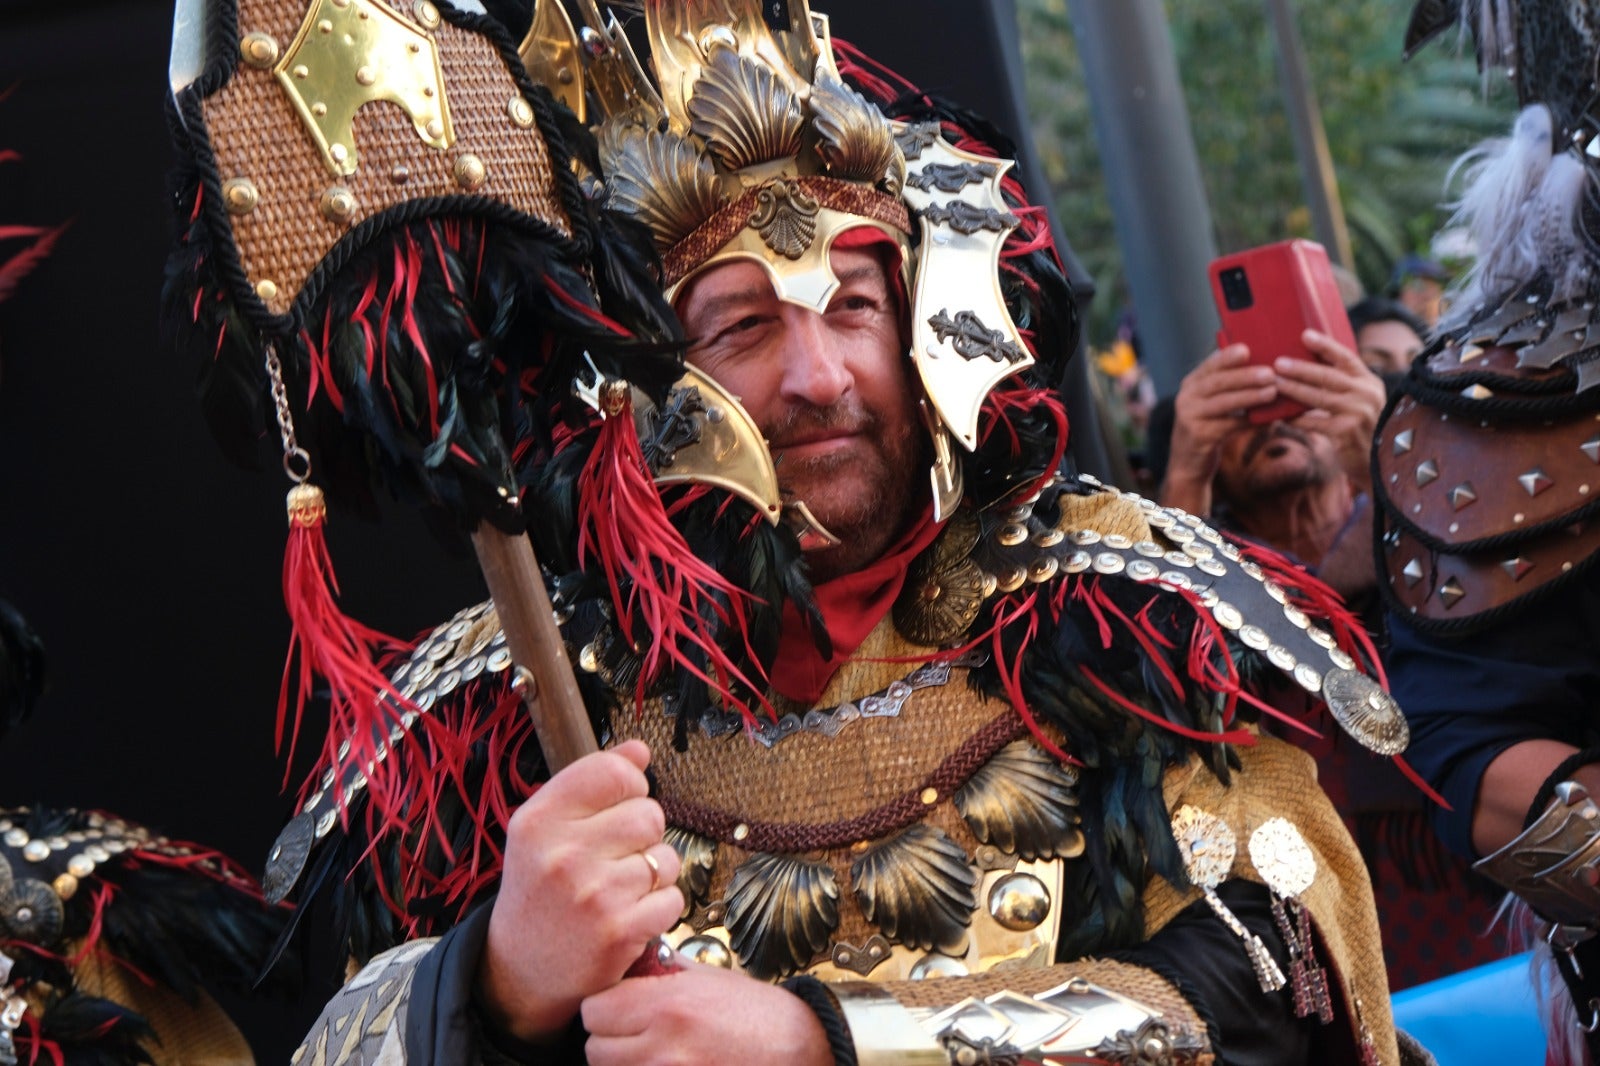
column 1544, row 402
column 1563, row 772
column 814, row 994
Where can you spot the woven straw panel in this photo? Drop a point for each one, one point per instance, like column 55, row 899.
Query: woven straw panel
column 257, row 134
column 871, row 762
column 1278, row 781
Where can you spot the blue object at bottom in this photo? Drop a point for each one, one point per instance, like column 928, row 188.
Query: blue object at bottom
column 1486, row 1016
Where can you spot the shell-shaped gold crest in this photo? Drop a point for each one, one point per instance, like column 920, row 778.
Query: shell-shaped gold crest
column 744, row 112
column 661, row 179
column 1024, row 802
column 918, row 889
column 856, row 141
column 786, row 218
column 781, row 912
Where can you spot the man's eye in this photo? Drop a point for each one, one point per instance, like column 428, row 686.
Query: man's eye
column 748, row 322
column 857, row 303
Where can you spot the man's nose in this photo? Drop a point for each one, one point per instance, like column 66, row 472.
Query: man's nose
column 814, row 370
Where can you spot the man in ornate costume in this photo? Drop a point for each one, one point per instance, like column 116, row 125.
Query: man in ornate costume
column 883, row 697
column 1485, row 468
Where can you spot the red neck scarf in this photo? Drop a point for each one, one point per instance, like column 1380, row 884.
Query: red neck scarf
column 852, row 605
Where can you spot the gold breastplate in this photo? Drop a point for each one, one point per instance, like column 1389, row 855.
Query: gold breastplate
column 906, row 827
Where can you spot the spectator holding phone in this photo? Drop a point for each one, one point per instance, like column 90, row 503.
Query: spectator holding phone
column 1299, row 485
column 1302, row 485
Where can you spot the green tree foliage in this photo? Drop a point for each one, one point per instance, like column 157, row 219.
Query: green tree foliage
column 1393, row 128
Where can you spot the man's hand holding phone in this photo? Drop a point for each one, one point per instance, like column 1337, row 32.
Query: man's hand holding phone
column 1211, row 404
column 1342, row 398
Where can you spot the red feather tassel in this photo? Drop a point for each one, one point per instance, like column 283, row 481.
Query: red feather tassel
column 326, row 643
column 658, row 585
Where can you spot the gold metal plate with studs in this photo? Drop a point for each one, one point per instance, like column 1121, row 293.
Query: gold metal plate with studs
column 351, row 53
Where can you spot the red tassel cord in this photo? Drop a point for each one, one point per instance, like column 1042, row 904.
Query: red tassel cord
column 658, row 585
column 325, row 643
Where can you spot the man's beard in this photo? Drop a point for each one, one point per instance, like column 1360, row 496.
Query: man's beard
column 862, row 495
column 1251, row 487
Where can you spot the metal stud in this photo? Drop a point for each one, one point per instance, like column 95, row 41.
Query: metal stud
column 36, row 851
column 259, row 50
column 1227, row 616
column 1019, row 902
column 1178, row 559
column 1412, row 572
column 1198, row 551
column 426, row 14
column 1175, row 579
column 1078, row 562
column 1403, row 441
column 1471, row 353
column 1011, row 580
column 325, row 823
column 80, row 866
column 1591, row 448
column 1535, row 481
column 1143, row 570
column 1084, row 538
column 1322, row 637
column 1118, row 541
column 1341, row 659
column 1477, row 392
column 1296, row 617
column 338, row 204
column 1308, row 678
column 1043, row 569
column 1427, row 472
column 1149, row 549
column 1010, row 536
column 1212, row 567
column 1450, row 593
column 1281, row 657
column 1048, row 538
column 1517, row 568
column 469, row 172
column 1255, row 637
column 1109, row 563
column 240, row 196
column 708, row 951
column 1463, row 495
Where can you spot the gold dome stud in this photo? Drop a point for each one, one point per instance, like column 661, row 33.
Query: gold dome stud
column 259, row 50
column 240, row 196
column 469, row 172
column 338, row 204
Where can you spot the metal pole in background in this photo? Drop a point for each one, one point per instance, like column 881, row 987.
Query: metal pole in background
column 1158, row 199
column 1310, row 138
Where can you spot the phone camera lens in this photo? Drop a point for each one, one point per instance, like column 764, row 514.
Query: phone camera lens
column 1236, row 289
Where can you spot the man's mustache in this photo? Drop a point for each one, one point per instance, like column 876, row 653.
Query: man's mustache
column 800, row 424
column 1267, row 434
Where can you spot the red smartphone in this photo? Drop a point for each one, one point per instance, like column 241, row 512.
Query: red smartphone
column 1266, row 297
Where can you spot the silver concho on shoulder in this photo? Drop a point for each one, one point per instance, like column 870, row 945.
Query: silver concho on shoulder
column 1366, row 712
